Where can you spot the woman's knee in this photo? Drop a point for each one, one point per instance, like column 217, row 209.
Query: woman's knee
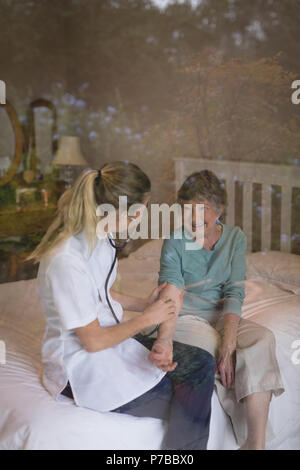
column 254, row 334
column 267, row 335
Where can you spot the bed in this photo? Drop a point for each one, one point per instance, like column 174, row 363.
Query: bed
column 31, row 419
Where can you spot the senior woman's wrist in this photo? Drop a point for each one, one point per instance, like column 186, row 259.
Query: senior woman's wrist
column 228, row 346
column 166, row 340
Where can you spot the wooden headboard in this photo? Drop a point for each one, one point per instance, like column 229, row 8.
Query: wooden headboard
column 287, row 177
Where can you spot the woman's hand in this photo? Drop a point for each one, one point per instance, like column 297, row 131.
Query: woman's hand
column 155, row 293
column 162, row 355
column 226, row 360
column 160, row 311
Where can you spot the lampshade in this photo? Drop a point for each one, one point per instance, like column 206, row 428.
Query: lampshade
column 69, row 152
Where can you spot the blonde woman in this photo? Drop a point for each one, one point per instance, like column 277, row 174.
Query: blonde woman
column 91, row 351
column 212, row 278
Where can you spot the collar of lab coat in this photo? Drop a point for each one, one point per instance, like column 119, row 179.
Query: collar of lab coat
column 83, row 246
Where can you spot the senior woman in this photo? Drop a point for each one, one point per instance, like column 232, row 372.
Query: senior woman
column 212, row 277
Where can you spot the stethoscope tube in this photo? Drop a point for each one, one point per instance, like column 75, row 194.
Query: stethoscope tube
column 118, row 248
column 106, row 284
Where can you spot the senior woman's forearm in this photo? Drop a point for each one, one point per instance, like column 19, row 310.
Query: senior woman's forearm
column 167, row 329
column 229, row 332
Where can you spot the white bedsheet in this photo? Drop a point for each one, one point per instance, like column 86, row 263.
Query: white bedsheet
column 31, row 419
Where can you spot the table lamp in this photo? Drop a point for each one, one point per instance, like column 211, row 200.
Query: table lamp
column 69, row 156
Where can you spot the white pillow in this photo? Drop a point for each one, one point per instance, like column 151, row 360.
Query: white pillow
column 275, row 266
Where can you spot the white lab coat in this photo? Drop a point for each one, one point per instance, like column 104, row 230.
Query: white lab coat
column 72, row 294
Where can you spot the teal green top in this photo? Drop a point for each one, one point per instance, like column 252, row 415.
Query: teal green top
column 213, row 280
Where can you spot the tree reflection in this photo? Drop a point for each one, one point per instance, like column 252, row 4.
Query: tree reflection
column 113, row 69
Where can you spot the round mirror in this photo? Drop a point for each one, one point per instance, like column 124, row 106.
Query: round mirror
column 11, row 143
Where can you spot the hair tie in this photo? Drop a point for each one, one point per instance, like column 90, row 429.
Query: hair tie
column 98, row 178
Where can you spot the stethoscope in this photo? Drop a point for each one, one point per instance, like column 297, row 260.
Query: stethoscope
column 117, row 249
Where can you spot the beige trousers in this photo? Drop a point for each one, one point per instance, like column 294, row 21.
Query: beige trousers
column 256, row 367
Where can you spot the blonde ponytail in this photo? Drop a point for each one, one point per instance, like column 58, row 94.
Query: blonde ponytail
column 76, row 211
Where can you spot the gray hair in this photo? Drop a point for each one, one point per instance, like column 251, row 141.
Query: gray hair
column 204, row 185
